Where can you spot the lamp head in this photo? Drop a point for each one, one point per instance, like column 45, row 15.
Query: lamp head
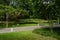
column 46, row 1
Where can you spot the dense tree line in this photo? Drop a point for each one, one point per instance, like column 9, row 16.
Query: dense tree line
column 31, row 8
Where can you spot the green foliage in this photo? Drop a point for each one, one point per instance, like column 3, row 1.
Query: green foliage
column 13, row 14
column 57, row 2
column 4, row 10
column 47, row 32
column 36, row 8
column 5, row 2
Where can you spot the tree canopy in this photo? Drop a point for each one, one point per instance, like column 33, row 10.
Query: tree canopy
column 32, row 8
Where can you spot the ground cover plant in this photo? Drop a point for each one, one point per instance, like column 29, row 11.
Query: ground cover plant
column 47, row 32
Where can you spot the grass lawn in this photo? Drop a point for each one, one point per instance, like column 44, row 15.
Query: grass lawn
column 27, row 22
column 24, row 35
column 18, row 25
column 47, row 32
column 23, row 25
column 30, row 22
column 43, row 24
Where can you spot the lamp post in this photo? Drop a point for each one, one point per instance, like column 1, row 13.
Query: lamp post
column 46, row 2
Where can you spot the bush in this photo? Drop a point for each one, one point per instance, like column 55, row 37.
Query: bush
column 47, row 32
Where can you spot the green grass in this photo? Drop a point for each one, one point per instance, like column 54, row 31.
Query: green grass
column 43, row 24
column 27, row 22
column 23, row 25
column 47, row 32
column 24, row 35
column 17, row 25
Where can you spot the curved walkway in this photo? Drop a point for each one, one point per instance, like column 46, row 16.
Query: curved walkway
column 4, row 30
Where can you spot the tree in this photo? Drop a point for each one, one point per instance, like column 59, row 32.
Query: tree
column 13, row 14
column 52, row 12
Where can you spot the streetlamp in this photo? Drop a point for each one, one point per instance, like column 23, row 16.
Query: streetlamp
column 46, row 1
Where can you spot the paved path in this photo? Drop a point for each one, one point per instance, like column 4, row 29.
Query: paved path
column 4, row 30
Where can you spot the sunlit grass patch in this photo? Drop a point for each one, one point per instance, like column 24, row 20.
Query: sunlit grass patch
column 24, row 35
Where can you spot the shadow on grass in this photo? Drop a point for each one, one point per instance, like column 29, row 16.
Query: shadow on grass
column 2, row 26
column 47, row 32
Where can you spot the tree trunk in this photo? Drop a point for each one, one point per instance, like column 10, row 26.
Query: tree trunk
column 51, row 24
